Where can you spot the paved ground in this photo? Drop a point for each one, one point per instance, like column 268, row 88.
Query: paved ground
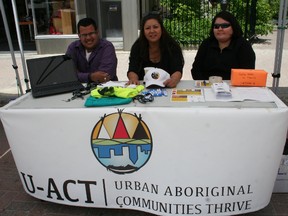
column 15, row 202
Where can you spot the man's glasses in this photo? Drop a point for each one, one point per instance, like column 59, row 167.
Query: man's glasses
column 222, row 25
column 90, row 34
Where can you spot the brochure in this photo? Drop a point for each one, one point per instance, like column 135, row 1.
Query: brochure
column 187, row 95
column 261, row 94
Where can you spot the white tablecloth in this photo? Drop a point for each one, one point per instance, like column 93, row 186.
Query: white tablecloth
column 164, row 158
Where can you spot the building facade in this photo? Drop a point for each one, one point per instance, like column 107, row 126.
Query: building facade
column 54, row 21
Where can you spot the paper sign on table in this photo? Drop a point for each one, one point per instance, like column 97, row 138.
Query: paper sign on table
column 248, row 77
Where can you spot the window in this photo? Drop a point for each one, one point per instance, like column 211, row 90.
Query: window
column 54, row 17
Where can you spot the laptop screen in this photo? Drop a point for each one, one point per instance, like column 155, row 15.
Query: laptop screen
column 51, row 70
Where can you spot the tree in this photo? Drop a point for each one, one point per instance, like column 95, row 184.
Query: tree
column 189, row 21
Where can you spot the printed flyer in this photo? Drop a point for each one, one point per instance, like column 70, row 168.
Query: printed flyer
column 187, row 95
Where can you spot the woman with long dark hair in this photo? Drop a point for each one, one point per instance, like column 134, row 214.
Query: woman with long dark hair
column 155, row 48
column 224, row 50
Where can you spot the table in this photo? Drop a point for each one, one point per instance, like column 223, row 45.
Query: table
column 209, row 158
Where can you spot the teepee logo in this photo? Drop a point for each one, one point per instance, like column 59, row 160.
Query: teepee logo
column 121, row 142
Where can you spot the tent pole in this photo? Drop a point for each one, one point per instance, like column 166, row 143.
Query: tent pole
column 8, row 35
column 279, row 44
column 20, row 44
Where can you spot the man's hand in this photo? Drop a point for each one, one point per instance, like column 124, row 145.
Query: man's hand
column 100, row 77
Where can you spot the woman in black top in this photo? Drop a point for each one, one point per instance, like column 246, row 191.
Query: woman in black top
column 224, row 50
column 155, row 48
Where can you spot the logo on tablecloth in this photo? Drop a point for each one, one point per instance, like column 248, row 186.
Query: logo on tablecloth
column 121, row 142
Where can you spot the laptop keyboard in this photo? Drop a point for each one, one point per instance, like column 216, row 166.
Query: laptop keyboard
column 52, row 90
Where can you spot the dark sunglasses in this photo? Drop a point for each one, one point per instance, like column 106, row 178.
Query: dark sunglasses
column 222, row 25
column 148, row 97
column 106, row 91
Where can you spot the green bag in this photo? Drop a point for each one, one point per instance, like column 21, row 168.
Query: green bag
column 106, row 101
column 117, row 91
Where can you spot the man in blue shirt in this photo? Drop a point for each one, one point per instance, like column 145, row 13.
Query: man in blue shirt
column 94, row 58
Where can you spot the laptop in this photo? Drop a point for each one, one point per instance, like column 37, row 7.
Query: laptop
column 52, row 75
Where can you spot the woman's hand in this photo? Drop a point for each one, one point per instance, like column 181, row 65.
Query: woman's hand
column 133, row 78
column 174, row 80
column 133, row 81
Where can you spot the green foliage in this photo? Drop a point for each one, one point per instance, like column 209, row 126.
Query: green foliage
column 274, row 6
column 183, row 25
column 189, row 21
column 185, row 22
column 264, row 23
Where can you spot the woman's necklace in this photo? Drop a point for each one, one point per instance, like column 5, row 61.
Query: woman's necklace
column 154, row 55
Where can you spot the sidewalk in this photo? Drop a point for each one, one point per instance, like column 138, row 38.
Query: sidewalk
column 265, row 58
